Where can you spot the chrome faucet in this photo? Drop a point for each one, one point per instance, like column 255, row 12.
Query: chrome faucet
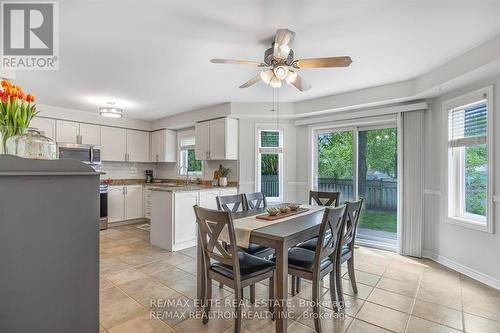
column 188, row 180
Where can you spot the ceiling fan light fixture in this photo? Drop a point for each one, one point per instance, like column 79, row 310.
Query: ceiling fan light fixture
column 280, row 72
column 266, row 76
column 275, row 82
column 290, row 78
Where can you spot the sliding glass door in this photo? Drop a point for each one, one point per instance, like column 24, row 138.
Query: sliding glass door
column 377, row 185
column 362, row 163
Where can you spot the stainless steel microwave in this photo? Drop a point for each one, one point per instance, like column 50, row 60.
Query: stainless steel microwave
column 84, row 153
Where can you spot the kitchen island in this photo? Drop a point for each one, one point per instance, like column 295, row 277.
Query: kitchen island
column 173, row 222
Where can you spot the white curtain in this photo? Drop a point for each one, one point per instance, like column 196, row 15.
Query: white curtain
column 412, row 190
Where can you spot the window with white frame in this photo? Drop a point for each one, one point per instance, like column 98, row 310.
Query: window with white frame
column 270, row 163
column 187, row 160
column 469, row 161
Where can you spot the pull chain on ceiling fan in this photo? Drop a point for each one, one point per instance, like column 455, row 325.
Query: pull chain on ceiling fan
column 281, row 65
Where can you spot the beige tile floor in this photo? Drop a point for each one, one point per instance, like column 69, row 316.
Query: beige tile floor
column 395, row 294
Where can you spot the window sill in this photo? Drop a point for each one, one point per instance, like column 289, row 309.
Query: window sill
column 471, row 224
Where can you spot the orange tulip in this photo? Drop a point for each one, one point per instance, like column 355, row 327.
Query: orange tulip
column 30, row 98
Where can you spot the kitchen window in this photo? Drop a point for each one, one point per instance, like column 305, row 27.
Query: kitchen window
column 469, row 148
column 187, row 158
column 269, row 178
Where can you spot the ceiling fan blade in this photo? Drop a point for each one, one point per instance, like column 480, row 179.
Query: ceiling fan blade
column 324, row 62
column 251, row 82
column 283, row 43
column 238, row 62
column 300, row 83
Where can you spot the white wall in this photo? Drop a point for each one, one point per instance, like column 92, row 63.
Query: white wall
column 473, row 252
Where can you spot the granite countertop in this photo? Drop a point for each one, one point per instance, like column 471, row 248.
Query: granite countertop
column 169, row 185
column 182, row 188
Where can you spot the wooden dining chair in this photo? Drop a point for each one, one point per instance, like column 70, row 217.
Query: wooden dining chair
column 315, row 265
column 351, row 217
column 236, row 200
column 321, row 199
column 324, row 198
column 233, row 268
column 255, row 200
column 233, row 204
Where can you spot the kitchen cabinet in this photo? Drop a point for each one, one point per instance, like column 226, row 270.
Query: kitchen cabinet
column 90, row 134
column 116, row 204
column 46, row 126
column 208, row 199
column 133, row 202
column 164, row 146
column 147, row 202
column 73, row 132
column 67, row 131
column 113, row 144
column 137, row 146
column 202, row 139
column 217, row 139
column 173, row 221
column 125, row 203
column 185, row 230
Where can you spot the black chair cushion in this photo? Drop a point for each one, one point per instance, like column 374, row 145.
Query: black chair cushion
column 250, row 266
column 255, row 249
column 311, row 246
column 299, row 258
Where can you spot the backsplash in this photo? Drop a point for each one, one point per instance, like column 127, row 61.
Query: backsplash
column 171, row 170
column 129, row 170
column 126, row 170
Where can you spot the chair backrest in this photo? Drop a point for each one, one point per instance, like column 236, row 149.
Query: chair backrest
column 324, row 198
column 211, row 223
column 255, row 200
column 236, row 200
column 330, row 233
column 352, row 211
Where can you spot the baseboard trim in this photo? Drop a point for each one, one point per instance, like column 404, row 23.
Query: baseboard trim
column 127, row 222
column 481, row 277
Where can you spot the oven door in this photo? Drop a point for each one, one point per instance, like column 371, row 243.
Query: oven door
column 75, row 152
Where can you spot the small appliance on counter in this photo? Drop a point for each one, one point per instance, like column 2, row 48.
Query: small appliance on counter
column 149, row 176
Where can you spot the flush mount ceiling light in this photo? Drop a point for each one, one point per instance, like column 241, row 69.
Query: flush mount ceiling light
column 111, row 111
column 279, row 59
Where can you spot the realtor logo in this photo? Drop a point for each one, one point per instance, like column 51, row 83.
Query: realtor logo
column 30, row 35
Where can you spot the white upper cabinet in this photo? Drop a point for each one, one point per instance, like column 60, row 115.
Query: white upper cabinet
column 113, row 143
column 164, row 146
column 202, row 139
column 68, row 132
column 137, row 146
column 90, row 134
column 73, row 132
column 217, row 139
column 46, row 126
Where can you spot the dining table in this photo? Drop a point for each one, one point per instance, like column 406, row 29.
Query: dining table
column 280, row 236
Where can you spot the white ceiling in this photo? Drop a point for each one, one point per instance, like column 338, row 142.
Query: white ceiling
column 152, row 57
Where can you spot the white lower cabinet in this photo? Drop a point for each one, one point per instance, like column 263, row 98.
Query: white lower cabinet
column 116, row 204
column 133, row 202
column 125, row 203
column 184, row 217
column 173, row 221
column 208, row 199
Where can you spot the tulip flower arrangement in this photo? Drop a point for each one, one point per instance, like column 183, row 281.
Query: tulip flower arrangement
column 16, row 110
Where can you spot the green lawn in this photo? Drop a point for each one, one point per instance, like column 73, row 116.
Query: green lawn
column 378, row 220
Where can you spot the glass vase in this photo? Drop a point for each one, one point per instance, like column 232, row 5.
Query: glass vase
column 31, row 144
column 5, row 133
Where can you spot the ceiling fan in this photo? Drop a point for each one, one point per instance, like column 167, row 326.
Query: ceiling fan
column 281, row 64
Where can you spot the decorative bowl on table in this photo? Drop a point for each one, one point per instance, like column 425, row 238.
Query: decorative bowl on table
column 293, row 206
column 273, row 211
column 284, row 209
